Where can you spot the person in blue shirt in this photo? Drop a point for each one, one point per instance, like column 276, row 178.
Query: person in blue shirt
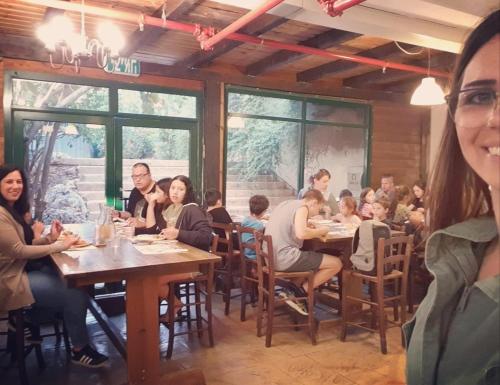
column 258, row 206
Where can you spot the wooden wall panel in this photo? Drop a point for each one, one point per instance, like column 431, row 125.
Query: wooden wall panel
column 398, row 142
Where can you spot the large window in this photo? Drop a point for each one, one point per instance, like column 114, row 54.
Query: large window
column 276, row 141
column 77, row 142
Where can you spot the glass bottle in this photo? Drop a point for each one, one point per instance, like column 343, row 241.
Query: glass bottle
column 105, row 229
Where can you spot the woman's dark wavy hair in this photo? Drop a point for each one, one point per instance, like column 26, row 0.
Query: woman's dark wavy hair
column 456, row 192
column 22, row 205
column 190, row 196
column 164, row 185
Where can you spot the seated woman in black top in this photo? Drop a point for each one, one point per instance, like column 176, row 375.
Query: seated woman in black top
column 186, row 222
column 158, row 202
column 418, row 203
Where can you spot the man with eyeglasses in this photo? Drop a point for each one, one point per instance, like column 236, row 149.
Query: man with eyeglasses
column 137, row 204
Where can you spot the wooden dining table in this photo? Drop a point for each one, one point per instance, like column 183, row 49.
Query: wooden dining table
column 122, row 261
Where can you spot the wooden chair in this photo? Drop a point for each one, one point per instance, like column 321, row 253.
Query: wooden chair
column 392, row 255
column 230, row 257
column 419, row 278
column 268, row 278
column 249, row 282
column 60, row 332
column 205, row 278
column 17, row 347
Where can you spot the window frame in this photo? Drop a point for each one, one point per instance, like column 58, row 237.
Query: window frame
column 111, row 117
column 304, row 98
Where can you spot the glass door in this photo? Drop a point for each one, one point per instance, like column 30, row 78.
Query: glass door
column 169, row 147
column 64, row 157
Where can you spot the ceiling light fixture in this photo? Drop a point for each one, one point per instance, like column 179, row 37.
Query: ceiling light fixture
column 428, row 93
column 60, row 39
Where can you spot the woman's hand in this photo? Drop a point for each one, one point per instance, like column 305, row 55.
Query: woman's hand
column 151, row 198
column 170, row 233
column 69, row 241
column 37, row 228
column 55, row 230
column 136, row 222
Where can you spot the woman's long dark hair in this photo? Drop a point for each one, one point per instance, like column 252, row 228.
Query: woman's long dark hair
column 456, row 192
column 21, row 206
column 164, row 185
column 190, row 196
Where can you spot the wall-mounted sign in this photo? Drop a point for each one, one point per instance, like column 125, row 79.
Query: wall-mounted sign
column 124, row 66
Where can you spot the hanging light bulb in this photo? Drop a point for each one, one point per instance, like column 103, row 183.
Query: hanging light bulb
column 428, row 93
column 54, row 31
column 111, row 37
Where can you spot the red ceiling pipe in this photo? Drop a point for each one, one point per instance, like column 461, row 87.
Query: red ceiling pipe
column 336, row 7
column 238, row 24
column 335, row 55
column 191, row 28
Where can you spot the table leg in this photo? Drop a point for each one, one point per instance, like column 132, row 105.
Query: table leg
column 143, row 352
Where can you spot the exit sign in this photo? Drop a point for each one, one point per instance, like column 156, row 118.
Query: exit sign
column 124, row 66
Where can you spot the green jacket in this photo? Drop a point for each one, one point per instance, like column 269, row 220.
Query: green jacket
column 471, row 343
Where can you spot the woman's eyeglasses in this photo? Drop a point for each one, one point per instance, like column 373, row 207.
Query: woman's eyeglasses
column 473, row 106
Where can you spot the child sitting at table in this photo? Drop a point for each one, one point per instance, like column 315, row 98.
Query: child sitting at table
column 381, row 210
column 258, row 206
column 402, row 210
column 366, row 199
column 348, row 214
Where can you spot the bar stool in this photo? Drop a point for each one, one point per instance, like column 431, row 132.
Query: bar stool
column 230, row 257
column 393, row 262
column 249, row 283
column 205, row 278
column 268, row 278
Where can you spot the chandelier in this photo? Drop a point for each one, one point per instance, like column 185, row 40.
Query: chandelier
column 69, row 47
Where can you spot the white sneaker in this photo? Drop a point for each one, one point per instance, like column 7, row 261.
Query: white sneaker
column 290, row 300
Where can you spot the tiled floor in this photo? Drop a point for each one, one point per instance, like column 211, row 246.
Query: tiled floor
column 240, row 358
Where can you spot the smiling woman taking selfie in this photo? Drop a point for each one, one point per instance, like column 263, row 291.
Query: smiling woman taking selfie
column 41, row 287
column 455, row 335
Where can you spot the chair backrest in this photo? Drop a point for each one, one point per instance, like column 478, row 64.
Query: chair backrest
column 392, row 253
column 250, row 243
column 215, row 244
column 264, row 253
column 227, row 228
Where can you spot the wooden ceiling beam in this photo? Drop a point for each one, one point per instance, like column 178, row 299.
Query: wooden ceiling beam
column 281, row 58
column 150, row 34
column 28, row 48
column 443, row 61
column 338, row 66
column 263, row 24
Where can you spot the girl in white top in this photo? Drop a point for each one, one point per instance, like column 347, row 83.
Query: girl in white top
column 348, row 214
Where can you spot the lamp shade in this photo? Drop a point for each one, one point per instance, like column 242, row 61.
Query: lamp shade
column 428, row 93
